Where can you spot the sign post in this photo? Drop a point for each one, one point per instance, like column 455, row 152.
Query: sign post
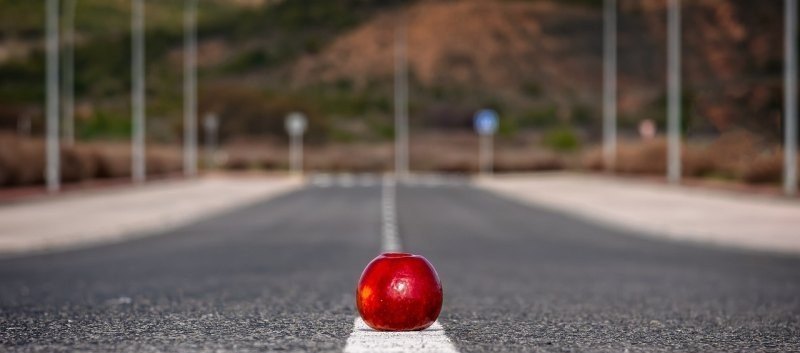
column 211, row 126
column 296, row 124
column 486, row 122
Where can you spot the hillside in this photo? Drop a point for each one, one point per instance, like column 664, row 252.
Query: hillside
column 537, row 62
column 537, row 58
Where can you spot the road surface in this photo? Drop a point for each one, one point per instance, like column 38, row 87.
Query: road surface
column 280, row 276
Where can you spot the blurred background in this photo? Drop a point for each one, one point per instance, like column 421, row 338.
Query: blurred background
column 538, row 63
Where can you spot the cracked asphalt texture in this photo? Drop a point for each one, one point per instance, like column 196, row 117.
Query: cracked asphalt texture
column 280, row 276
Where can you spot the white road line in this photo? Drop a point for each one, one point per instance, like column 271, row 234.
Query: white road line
column 390, row 239
column 364, row 339
column 346, row 180
column 322, row 180
column 366, row 180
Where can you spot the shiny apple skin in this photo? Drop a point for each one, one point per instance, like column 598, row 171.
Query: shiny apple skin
column 399, row 292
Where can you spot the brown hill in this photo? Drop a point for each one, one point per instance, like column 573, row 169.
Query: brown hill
column 498, row 46
column 547, row 52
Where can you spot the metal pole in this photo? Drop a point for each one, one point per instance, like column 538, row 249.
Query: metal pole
column 673, row 92
column 190, row 90
column 486, row 154
column 68, row 87
column 296, row 154
column 401, row 102
column 790, row 99
column 137, row 94
column 299, row 154
column 293, row 154
column 610, row 84
column 211, row 127
column 53, row 170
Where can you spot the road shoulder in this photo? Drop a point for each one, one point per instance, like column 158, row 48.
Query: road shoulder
column 687, row 214
column 84, row 219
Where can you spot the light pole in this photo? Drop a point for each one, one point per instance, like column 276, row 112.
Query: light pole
column 790, row 99
column 610, row 84
column 68, row 85
column 190, row 89
column 137, row 92
column 52, row 150
column 401, row 102
column 673, row 92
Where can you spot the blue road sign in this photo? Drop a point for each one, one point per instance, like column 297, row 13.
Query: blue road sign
column 486, row 122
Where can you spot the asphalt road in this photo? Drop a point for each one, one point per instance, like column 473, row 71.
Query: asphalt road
column 280, row 276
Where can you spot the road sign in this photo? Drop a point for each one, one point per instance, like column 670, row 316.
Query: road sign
column 486, row 122
column 296, row 124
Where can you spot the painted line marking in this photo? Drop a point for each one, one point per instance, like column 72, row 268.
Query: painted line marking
column 364, row 339
column 390, row 238
column 322, row 180
column 345, row 180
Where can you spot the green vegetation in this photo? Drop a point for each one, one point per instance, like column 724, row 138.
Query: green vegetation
column 254, row 39
column 104, row 125
column 562, row 139
column 539, row 117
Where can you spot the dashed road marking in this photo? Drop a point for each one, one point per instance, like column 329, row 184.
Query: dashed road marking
column 364, row 339
column 371, row 180
column 390, row 238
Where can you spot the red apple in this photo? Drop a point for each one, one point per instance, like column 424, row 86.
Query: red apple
column 399, row 292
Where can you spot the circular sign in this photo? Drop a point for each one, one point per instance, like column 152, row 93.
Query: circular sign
column 296, row 123
column 486, row 122
column 647, row 129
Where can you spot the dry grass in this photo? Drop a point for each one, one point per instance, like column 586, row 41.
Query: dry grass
column 429, row 152
column 22, row 161
column 737, row 155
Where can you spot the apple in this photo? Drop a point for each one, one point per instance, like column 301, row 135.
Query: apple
column 399, row 292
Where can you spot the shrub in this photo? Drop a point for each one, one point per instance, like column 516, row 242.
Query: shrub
column 562, row 139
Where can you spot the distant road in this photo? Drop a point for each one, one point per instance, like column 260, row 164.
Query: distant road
column 280, row 275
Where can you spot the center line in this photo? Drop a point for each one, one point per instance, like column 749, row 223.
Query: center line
column 364, row 339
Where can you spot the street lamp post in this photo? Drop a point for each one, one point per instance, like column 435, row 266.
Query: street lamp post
column 190, row 89
column 610, row 84
column 68, row 85
column 790, row 99
column 52, row 149
column 673, row 92
column 137, row 93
